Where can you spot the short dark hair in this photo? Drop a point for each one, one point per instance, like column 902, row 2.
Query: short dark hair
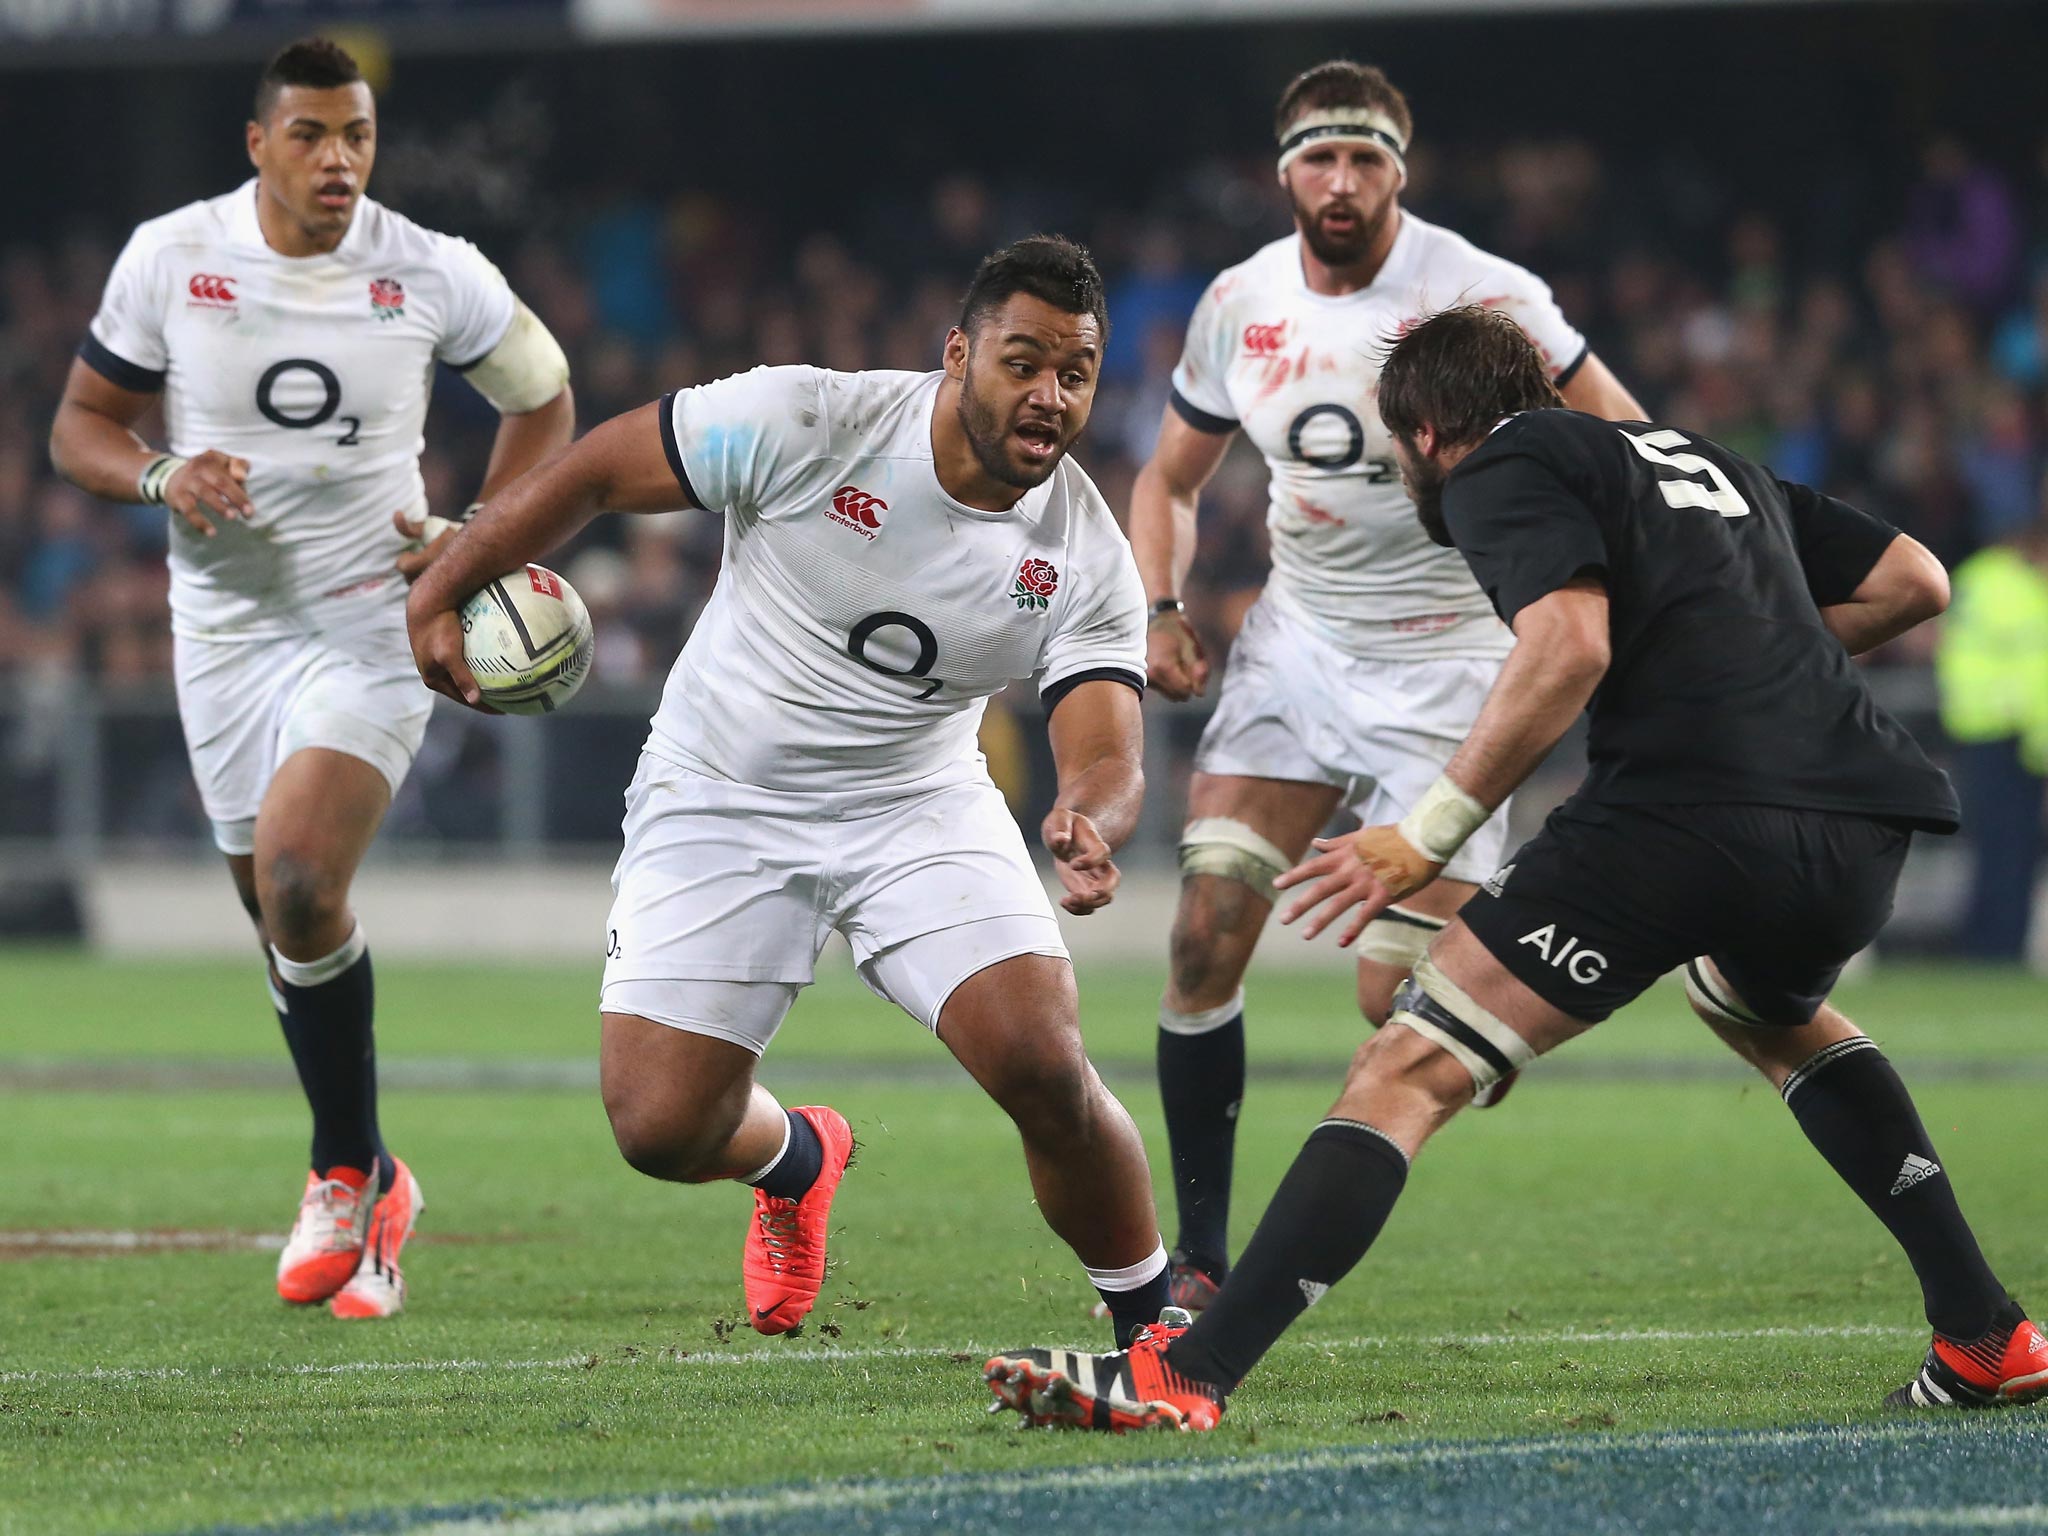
column 1460, row 371
column 1048, row 267
column 1341, row 83
column 313, row 62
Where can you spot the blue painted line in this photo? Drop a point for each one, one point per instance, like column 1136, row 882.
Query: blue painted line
column 1982, row 1473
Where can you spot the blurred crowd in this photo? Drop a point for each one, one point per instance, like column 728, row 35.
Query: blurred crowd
column 1910, row 378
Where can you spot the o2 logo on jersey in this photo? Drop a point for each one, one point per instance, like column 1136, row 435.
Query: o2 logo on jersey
column 285, row 396
column 854, row 508
column 1331, row 437
column 892, row 648
column 209, row 291
column 1037, row 580
column 387, row 298
column 1265, row 340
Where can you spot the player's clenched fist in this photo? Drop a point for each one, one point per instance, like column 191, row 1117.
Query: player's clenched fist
column 436, row 638
column 1083, row 860
column 1174, row 660
column 1369, row 869
column 207, row 487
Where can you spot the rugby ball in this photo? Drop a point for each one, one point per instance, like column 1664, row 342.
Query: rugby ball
column 527, row 638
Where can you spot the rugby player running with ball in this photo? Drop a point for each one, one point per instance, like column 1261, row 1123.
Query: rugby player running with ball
column 898, row 547
column 291, row 327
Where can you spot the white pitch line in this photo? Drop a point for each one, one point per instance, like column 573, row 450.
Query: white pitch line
column 813, row 1355
column 1975, row 1517
column 140, row 1242
column 681, row 1512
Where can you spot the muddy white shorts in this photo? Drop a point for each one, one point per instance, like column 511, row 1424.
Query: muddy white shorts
column 1293, row 706
column 725, row 895
column 248, row 705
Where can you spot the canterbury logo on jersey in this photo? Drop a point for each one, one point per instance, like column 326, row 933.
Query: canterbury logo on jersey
column 1265, row 340
column 211, row 291
column 858, row 510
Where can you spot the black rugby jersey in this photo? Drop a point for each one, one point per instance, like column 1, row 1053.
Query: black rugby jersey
column 1724, row 686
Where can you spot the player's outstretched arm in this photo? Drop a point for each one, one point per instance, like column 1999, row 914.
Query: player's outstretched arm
column 1595, row 390
column 1098, row 746
column 1561, row 654
column 94, row 445
column 617, row 467
column 1162, row 532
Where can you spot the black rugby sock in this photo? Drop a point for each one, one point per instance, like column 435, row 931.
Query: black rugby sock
column 1131, row 1310
column 1857, row 1113
column 327, row 1013
column 792, row 1174
column 1201, row 1084
column 1326, row 1213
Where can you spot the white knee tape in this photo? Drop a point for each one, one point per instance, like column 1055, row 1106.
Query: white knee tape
column 1712, row 996
column 311, row 973
column 1218, row 845
column 1399, row 937
column 1205, row 1022
column 1437, row 1008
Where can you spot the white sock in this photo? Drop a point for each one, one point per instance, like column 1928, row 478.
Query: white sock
column 1131, row 1276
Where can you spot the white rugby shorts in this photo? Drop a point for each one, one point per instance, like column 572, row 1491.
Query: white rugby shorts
column 725, row 894
column 1294, row 706
column 247, row 705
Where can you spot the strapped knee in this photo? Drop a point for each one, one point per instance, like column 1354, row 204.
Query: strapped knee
column 1436, row 1008
column 1230, row 850
column 1399, row 937
column 1715, row 1001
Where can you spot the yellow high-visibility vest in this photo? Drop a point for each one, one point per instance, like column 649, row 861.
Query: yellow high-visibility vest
column 1992, row 661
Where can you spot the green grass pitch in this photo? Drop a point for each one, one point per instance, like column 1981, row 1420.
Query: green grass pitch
column 1631, row 1300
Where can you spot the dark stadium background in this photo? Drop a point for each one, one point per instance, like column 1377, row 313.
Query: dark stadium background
column 1817, row 232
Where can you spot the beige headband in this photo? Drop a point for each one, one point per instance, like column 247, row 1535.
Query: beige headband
column 1355, row 125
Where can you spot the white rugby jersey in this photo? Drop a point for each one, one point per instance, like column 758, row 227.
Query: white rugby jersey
column 1299, row 372
column 862, row 616
column 317, row 370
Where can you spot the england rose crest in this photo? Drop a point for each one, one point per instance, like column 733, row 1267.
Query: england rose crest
column 1037, row 580
column 387, row 298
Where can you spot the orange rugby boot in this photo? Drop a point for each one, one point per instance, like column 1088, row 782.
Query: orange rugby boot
column 2009, row 1365
column 326, row 1243
column 1132, row 1389
column 784, row 1262
column 377, row 1288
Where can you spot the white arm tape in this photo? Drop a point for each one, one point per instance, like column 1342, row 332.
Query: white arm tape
column 524, row 371
column 1442, row 820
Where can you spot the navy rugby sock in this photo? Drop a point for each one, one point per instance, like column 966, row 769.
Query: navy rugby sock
column 790, row 1174
column 1201, row 1085
column 326, row 1007
column 1854, row 1109
column 1140, row 1305
column 1326, row 1213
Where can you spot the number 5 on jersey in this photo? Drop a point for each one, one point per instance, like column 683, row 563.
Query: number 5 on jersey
column 1722, row 498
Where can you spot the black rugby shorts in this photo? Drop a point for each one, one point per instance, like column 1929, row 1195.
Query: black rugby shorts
column 1607, row 898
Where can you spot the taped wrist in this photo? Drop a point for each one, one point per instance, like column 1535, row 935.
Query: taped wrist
column 156, row 476
column 1442, row 820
